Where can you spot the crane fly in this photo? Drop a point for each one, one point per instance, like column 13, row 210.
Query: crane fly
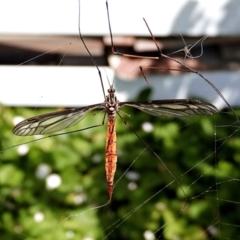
column 59, row 120
column 56, row 121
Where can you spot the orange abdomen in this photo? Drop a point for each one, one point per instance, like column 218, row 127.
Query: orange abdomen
column 111, row 155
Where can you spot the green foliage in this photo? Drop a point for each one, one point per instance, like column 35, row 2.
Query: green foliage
column 181, row 191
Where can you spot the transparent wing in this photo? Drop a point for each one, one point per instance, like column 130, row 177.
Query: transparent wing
column 53, row 122
column 174, row 107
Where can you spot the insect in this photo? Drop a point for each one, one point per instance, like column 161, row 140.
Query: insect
column 187, row 48
column 56, row 121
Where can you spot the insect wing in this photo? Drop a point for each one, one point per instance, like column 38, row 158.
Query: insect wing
column 53, row 122
column 174, row 107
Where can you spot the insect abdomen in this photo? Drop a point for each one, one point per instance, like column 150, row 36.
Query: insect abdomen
column 111, row 155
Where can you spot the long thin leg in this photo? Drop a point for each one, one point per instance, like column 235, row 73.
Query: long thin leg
column 114, row 50
column 90, row 55
column 161, row 55
column 189, row 70
column 53, row 135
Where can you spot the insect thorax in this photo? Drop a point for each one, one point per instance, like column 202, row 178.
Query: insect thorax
column 111, row 105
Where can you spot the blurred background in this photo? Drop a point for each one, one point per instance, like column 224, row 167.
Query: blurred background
column 50, row 189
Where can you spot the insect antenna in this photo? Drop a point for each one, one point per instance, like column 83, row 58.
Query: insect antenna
column 109, row 84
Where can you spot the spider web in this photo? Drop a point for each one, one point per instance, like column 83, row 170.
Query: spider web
column 187, row 190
